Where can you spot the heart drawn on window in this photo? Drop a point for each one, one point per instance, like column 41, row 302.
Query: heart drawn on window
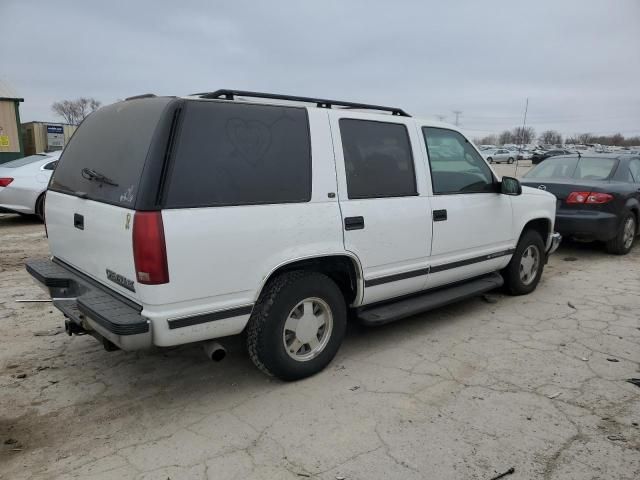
column 251, row 139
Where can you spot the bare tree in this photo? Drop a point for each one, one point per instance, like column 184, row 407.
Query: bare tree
column 488, row 140
column 524, row 135
column 551, row 137
column 584, row 138
column 74, row 111
column 505, row 137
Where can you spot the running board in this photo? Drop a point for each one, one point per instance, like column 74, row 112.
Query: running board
column 390, row 312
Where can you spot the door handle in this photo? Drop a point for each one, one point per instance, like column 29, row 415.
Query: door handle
column 78, row 221
column 353, row 223
column 439, row 215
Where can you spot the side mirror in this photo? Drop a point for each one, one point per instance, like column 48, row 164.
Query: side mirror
column 510, row 186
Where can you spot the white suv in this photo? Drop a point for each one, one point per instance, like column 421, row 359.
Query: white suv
column 177, row 220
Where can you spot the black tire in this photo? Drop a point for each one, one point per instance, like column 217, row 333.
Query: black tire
column 619, row 245
column 266, row 326
column 513, row 282
column 39, row 207
column 490, row 160
column 510, row 160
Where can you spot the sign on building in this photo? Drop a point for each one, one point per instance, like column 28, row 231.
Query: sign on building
column 55, row 137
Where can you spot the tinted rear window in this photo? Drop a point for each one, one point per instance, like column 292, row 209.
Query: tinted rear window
column 584, row 168
column 240, row 154
column 112, row 142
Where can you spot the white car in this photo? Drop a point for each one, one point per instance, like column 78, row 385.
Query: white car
column 500, row 155
column 23, row 183
column 187, row 219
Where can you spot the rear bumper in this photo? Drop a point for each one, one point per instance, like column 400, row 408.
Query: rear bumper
column 92, row 307
column 587, row 224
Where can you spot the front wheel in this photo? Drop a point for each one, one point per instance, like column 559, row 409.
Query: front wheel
column 623, row 241
column 510, row 160
column 297, row 325
column 490, row 160
column 523, row 273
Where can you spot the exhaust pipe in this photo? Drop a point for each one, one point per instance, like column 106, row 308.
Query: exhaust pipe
column 214, row 351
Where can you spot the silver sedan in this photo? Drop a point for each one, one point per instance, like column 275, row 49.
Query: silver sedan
column 500, row 155
column 23, row 183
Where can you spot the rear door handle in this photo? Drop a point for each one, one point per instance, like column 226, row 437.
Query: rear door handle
column 439, row 215
column 353, row 223
column 78, row 221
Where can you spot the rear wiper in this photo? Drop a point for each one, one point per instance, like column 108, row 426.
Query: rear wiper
column 97, row 176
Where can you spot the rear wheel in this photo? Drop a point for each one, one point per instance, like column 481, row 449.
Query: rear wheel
column 523, row 273
column 510, row 160
column 297, row 325
column 39, row 208
column 623, row 241
column 490, row 160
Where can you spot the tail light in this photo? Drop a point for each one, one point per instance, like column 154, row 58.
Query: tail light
column 590, row 198
column 149, row 250
column 5, row 181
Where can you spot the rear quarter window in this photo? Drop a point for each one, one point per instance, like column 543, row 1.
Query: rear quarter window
column 113, row 142
column 240, row 154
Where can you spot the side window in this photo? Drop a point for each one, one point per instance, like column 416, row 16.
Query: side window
column 455, row 165
column 50, row 166
column 634, row 167
column 377, row 159
column 240, row 154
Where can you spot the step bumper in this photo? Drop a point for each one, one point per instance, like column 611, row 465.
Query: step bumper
column 91, row 306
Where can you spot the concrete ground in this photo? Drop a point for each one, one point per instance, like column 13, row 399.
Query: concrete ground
column 537, row 383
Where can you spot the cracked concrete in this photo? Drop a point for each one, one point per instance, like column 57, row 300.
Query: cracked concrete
column 462, row 392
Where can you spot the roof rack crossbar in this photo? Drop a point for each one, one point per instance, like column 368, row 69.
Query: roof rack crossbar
column 320, row 102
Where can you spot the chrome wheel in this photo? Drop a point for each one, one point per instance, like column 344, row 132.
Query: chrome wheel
column 307, row 329
column 628, row 233
column 529, row 264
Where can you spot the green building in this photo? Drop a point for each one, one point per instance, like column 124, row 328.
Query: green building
column 10, row 135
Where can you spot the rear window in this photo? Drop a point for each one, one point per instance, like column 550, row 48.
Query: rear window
column 576, row 168
column 21, row 162
column 240, row 154
column 106, row 155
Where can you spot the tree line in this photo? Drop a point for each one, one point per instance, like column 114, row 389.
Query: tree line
column 522, row 136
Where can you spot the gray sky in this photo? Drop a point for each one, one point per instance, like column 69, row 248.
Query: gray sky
column 577, row 61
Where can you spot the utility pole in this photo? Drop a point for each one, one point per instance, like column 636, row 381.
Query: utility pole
column 524, row 125
column 457, row 113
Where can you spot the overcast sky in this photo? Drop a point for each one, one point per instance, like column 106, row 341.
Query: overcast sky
column 578, row 61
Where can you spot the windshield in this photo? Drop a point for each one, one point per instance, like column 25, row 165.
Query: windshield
column 105, row 157
column 21, row 162
column 576, row 168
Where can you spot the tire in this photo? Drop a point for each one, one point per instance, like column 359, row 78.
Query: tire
column 510, row 160
column 622, row 243
column 490, row 160
column 39, row 207
column 268, row 339
column 514, row 281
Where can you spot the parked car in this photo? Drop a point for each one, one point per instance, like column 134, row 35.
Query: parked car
column 177, row 220
column 499, row 155
column 538, row 157
column 598, row 197
column 23, row 183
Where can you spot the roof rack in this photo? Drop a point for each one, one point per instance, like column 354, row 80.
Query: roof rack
column 144, row 95
column 320, row 102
